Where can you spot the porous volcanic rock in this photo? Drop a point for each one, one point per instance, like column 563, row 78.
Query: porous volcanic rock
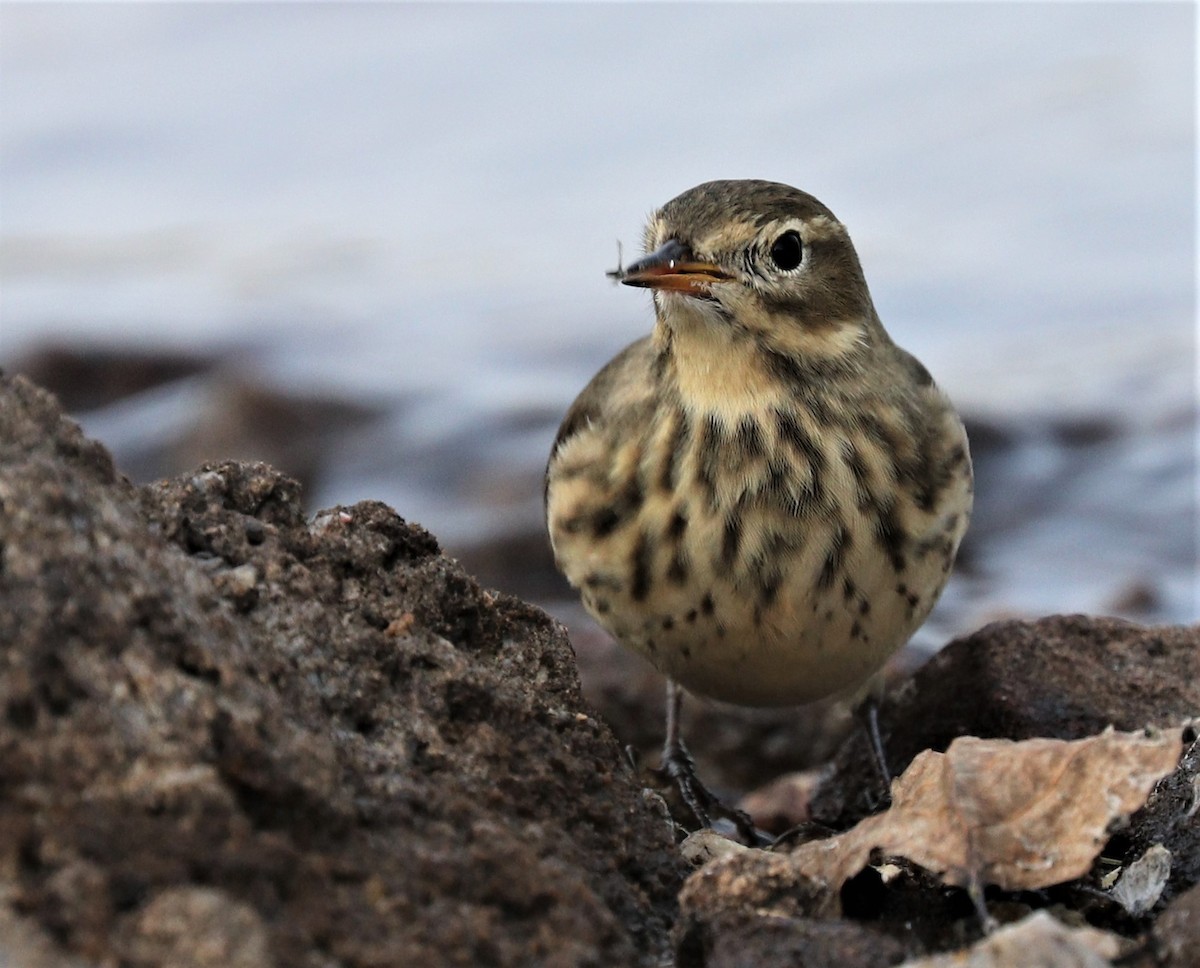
column 229, row 735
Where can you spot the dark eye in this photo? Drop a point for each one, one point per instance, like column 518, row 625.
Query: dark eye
column 786, row 251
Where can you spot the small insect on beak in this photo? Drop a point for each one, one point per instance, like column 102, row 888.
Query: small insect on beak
column 672, row 267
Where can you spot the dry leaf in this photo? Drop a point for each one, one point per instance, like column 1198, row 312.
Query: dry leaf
column 1038, row 941
column 1019, row 815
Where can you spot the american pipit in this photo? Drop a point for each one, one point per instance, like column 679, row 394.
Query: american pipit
column 764, row 497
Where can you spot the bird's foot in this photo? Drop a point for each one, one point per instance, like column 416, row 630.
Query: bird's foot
column 679, row 767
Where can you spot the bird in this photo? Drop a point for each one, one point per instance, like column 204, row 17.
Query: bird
column 765, row 495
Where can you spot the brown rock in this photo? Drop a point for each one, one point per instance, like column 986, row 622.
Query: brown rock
column 784, row 802
column 1037, row 941
column 197, row 927
column 758, row 940
column 747, row 880
column 225, row 731
column 1176, row 936
column 84, row 378
column 242, row 419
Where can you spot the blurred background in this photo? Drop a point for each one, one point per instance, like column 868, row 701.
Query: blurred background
column 367, row 243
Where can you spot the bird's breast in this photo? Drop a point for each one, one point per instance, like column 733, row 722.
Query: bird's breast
column 758, row 547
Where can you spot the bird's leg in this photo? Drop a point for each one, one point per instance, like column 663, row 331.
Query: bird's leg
column 677, row 762
column 869, row 713
column 680, row 769
column 975, row 892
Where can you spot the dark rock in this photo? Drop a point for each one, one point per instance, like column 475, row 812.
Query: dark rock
column 1064, row 676
column 1176, row 935
column 224, row 729
column 751, row 940
column 753, row 909
column 1137, row 598
column 1085, row 431
column 1171, row 817
column 518, row 563
column 230, row 414
column 90, row 377
column 241, row 419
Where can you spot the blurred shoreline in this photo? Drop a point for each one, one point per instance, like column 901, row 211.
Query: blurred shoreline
column 1075, row 512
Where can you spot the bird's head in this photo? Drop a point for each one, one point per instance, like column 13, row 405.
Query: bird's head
column 756, row 260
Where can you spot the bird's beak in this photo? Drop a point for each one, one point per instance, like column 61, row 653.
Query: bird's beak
column 673, row 267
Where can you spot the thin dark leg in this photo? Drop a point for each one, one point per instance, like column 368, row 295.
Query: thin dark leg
column 870, row 719
column 674, row 707
column 677, row 762
column 679, row 767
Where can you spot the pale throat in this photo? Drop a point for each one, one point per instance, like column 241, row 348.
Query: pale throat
column 719, row 369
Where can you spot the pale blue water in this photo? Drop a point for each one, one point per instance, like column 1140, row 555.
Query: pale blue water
column 422, row 199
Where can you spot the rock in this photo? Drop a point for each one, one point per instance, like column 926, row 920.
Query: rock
column 242, row 419
column 1141, row 883
column 1170, row 820
column 756, row 940
column 187, row 408
column 90, row 377
column 889, row 913
column 748, row 910
column 231, row 736
column 1176, row 935
column 706, row 844
column 197, row 927
column 1037, row 941
column 1062, row 677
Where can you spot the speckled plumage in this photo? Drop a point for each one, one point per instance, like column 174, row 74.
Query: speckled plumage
column 765, row 496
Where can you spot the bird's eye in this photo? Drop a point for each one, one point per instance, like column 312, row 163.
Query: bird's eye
column 786, row 251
